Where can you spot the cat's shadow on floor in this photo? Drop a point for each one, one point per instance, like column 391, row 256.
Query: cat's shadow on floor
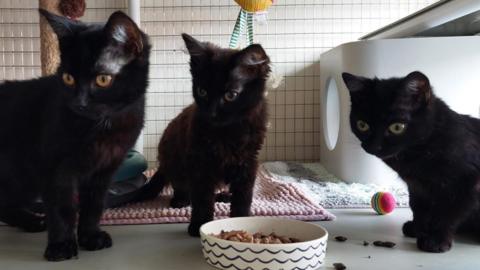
column 467, row 238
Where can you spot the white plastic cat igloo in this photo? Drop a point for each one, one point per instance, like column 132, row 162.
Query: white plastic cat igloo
column 451, row 63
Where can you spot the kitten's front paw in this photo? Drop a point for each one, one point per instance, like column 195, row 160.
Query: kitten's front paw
column 234, row 212
column 435, row 245
column 61, row 251
column 94, row 240
column 408, row 229
column 224, row 197
column 178, row 202
column 145, row 194
column 36, row 224
column 194, row 229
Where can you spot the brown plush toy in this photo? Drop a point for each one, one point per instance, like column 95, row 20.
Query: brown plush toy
column 72, row 9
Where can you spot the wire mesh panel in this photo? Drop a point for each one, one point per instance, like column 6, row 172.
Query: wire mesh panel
column 20, row 34
column 296, row 33
column 19, row 40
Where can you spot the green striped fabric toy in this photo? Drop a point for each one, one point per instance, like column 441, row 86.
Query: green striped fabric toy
column 244, row 21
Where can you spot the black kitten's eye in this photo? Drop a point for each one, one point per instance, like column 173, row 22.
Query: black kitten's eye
column 397, row 128
column 68, row 79
column 362, row 126
column 104, row 81
column 201, row 92
column 230, row 96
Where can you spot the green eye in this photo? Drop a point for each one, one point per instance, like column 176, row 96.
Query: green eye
column 397, row 128
column 362, row 126
column 201, row 92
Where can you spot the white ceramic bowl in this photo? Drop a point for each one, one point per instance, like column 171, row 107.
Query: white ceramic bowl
column 223, row 254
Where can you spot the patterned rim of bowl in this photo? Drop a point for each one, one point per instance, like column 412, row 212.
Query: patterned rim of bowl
column 317, row 244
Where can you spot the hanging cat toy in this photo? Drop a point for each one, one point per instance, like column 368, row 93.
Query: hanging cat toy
column 249, row 10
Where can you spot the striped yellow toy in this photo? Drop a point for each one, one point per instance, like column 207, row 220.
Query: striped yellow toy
column 254, row 5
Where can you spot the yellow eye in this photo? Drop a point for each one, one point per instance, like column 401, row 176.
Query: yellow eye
column 201, row 92
column 68, row 79
column 231, row 96
column 397, row 128
column 362, row 126
column 104, row 81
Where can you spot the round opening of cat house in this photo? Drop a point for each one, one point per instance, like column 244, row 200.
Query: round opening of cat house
column 331, row 114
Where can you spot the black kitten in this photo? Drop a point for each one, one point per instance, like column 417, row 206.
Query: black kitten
column 434, row 149
column 216, row 140
column 70, row 131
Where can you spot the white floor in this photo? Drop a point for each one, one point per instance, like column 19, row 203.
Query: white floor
column 168, row 247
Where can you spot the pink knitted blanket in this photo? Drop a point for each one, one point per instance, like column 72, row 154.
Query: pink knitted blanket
column 271, row 198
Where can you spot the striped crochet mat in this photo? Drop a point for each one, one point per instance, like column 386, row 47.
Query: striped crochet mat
column 272, row 198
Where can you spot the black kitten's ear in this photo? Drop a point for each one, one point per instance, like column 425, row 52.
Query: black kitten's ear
column 124, row 32
column 62, row 26
column 198, row 51
column 194, row 47
column 354, row 83
column 253, row 55
column 418, row 84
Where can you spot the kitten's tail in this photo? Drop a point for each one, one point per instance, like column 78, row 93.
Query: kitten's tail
column 151, row 190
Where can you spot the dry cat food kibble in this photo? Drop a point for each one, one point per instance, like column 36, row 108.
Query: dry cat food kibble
column 339, row 266
column 341, row 238
column 256, row 238
column 386, row 244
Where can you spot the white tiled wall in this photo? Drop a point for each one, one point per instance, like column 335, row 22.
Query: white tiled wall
column 298, row 31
